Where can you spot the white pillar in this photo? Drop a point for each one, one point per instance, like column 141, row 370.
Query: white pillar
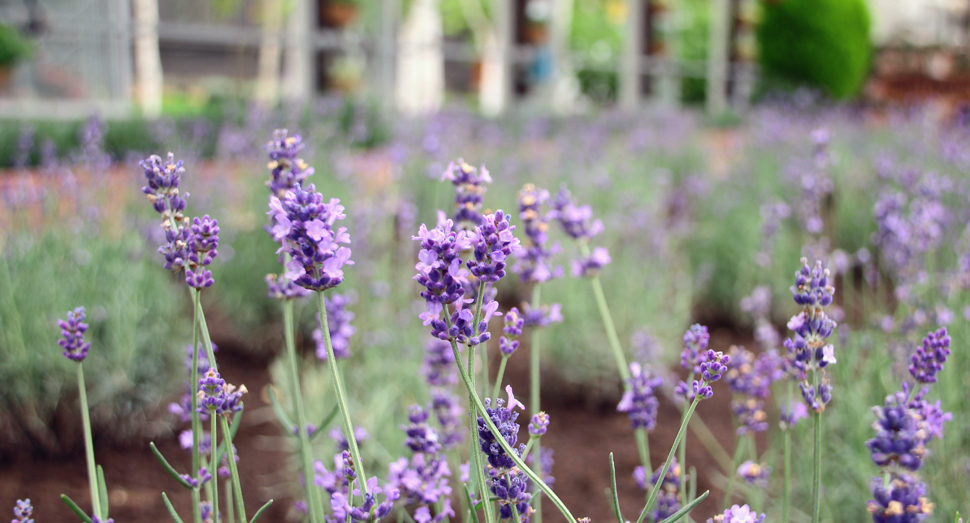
column 565, row 86
column 268, row 69
column 495, row 85
column 666, row 83
column 632, row 54
column 298, row 84
column 148, row 62
column 420, row 83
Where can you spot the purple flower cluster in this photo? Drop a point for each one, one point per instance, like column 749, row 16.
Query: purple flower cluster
column 538, row 425
column 217, row 396
column 303, row 224
column 543, row 316
column 808, row 348
column 337, row 435
column 514, row 323
column 469, row 191
column 577, row 222
column 533, row 264
column 424, row 479
column 695, row 347
column 790, row 414
column 189, row 245
column 338, row 321
column 546, row 462
column 929, row 357
column 439, row 367
column 714, row 366
column 494, row 243
column 439, row 265
column 506, row 481
column 750, row 378
column 668, row 498
column 280, row 288
column 589, row 266
column 23, row 511
column 287, row 170
column 640, row 399
column 736, row 514
column 754, row 473
column 902, row 500
column 448, row 411
column 440, row 372
column 73, row 329
column 344, row 486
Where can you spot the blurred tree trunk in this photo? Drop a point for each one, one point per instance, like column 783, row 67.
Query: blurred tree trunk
column 268, row 72
column 148, row 62
column 420, row 83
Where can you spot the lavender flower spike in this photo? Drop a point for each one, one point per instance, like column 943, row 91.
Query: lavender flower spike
column 469, row 191
column 75, row 348
column 495, row 242
column 304, row 227
column 736, row 514
column 23, row 511
column 640, row 400
column 929, row 358
column 203, row 239
column 288, row 171
column 903, row 500
column 163, row 193
column 533, row 262
column 338, row 318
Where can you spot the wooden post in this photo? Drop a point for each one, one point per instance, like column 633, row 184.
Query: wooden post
column 148, row 62
column 298, row 74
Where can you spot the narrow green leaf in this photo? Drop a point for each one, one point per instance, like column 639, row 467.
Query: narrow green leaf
column 260, row 511
column 692, row 491
column 616, row 499
column 471, row 505
column 690, row 506
column 76, row 509
column 103, row 493
column 326, row 421
column 233, row 428
column 171, row 509
column 281, row 415
column 168, row 468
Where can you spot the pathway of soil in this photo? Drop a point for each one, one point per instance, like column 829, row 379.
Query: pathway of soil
column 582, row 434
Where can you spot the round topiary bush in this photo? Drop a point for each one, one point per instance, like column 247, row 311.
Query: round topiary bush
column 823, row 43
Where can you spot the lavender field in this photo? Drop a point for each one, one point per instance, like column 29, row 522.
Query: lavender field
column 629, row 317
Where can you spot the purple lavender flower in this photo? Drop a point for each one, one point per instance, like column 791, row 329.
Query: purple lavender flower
column 208, row 515
column 420, row 436
column 791, row 414
column 218, row 396
column 75, row 348
column 439, row 264
column 538, row 425
column 929, row 358
column 532, row 264
column 23, row 511
column 469, row 192
column 281, row 288
column 931, row 415
column 542, row 317
column 640, row 400
column 903, row 500
column 589, row 266
column 577, row 222
column 899, row 438
column 304, row 227
column 695, row 346
column 668, row 498
column 439, row 367
column 203, row 239
column 507, row 481
column 288, row 171
column 338, row 319
column 448, row 412
column 360, row 434
column 714, row 366
column 163, row 193
column 494, row 243
column 808, row 349
column 751, row 415
column 204, row 476
column 754, row 474
column 96, row 519
column 758, row 303
column 736, row 514
column 513, row 329
column 370, row 510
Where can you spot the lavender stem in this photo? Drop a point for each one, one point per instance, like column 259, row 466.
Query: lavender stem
column 88, row 443
column 534, row 392
column 196, row 420
column 233, row 471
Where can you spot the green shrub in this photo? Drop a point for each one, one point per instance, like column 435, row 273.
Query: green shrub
column 822, row 43
column 135, row 331
column 13, row 47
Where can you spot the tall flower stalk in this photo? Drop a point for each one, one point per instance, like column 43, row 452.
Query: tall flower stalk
column 808, row 351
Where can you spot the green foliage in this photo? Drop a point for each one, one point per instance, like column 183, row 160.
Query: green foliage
column 822, row 43
column 135, row 330
column 13, row 47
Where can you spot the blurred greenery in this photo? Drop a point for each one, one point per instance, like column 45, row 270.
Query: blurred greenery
column 13, row 47
column 821, row 43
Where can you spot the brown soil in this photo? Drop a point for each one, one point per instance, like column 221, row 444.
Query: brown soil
column 582, row 433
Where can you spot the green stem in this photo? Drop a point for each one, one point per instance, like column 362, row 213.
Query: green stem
column 88, row 443
column 670, row 457
column 230, row 516
column 478, row 316
column 196, row 420
column 214, row 468
column 611, row 336
column 817, row 475
column 204, row 330
column 477, row 403
column 683, row 453
column 306, row 452
column 338, row 387
column 501, row 374
column 534, row 394
column 233, row 472
column 786, row 492
column 643, row 448
column 732, row 477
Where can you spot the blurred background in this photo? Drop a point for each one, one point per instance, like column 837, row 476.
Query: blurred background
column 718, row 140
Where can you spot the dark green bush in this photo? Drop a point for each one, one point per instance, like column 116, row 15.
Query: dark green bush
column 822, row 43
column 13, row 47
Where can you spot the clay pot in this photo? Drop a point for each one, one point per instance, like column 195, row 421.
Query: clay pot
column 337, row 14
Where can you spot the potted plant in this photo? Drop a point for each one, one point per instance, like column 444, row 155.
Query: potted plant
column 13, row 49
column 338, row 13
